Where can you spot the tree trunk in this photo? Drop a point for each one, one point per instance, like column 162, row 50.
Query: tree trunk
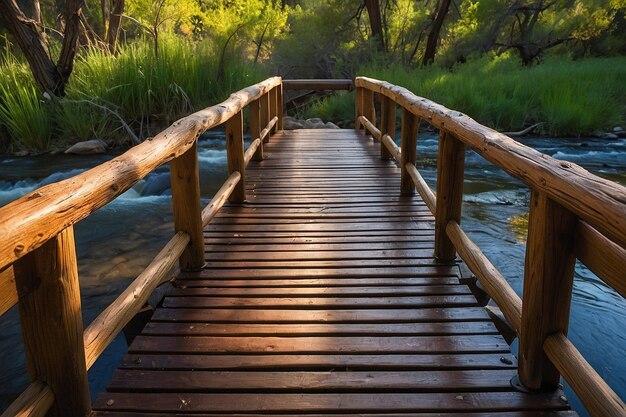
column 37, row 11
column 115, row 21
column 50, row 77
column 433, row 36
column 376, row 22
column 32, row 44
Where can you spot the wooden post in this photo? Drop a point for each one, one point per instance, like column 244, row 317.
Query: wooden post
column 265, row 114
column 387, row 124
column 410, row 124
column 256, row 127
column 369, row 110
column 279, row 106
column 273, row 106
column 235, row 155
column 548, row 280
column 52, row 323
column 358, row 107
column 450, row 169
column 185, row 180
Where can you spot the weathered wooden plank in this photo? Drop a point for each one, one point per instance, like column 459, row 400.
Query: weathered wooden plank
column 320, row 302
column 465, row 414
column 347, row 381
column 334, row 361
column 305, row 282
column 399, row 315
column 320, row 344
column 287, row 330
column 274, row 292
column 298, row 403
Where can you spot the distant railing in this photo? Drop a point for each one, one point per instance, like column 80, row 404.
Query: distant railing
column 573, row 214
column 38, row 267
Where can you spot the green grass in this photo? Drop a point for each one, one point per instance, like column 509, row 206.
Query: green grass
column 147, row 93
column 569, row 97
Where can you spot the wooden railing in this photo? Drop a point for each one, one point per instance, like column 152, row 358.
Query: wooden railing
column 38, row 267
column 573, row 214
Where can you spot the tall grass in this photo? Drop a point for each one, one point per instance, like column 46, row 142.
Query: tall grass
column 148, row 93
column 569, row 97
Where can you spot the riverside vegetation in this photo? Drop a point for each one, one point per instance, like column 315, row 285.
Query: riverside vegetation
column 509, row 65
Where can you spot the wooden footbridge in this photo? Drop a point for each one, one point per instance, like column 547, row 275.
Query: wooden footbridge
column 317, row 282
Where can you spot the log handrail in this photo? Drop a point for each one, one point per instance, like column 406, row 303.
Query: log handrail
column 37, row 229
column 569, row 205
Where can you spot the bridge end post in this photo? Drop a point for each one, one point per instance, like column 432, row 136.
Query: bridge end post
column 450, row 172
column 548, row 280
column 410, row 125
column 185, row 180
column 273, row 109
column 279, row 106
column 52, row 323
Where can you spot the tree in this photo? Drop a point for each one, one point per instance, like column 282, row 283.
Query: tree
column 50, row 77
column 433, row 35
column 376, row 22
column 111, row 22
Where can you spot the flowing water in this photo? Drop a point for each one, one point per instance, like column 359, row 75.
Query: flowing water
column 118, row 241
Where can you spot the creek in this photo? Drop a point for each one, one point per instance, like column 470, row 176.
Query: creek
column 115, row 243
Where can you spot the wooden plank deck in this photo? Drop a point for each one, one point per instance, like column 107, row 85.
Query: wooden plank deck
column 320, row 297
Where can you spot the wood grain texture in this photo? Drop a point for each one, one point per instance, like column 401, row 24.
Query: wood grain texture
column 30, row 221
column 35, row 401
column 235, row 154
column 605, row 258
column 185, row 181
column 255, row 123
column 52, row 324
column 600, row 202
column 450, row 174
column 8, row 290
column 599, row 399
column 548, row 280
column 410, row 125
column 422, row 187
column 387, row 125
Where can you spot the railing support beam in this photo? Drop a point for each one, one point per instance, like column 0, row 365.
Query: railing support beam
column 369, row 111
column 410, row 125
column 450, row 170
column 548, row 280
column 279, row 106
column 273, row 94
column 185, row 180
column 387, row 124
column 358, row 107
column 256, row 125
column 52, row 323
column 265, row 113
column 235, row 154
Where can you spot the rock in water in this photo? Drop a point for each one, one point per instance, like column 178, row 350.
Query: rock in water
column 88, row 147
column 290, row 123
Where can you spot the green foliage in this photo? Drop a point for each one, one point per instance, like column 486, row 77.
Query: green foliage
column 569, row 97
column 148, row 93
column 23, row 113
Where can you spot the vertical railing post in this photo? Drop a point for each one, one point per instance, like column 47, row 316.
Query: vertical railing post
column 358, row 107
column 450, row 170
column 387, row 124
column 52, row 323
column 279, row 106
column 548, row 280
column 256, row 127
column 185, row 180
column 265, row 113
column 235, row 155
column 369, row 111
column 410, row 124
column 273, row 106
